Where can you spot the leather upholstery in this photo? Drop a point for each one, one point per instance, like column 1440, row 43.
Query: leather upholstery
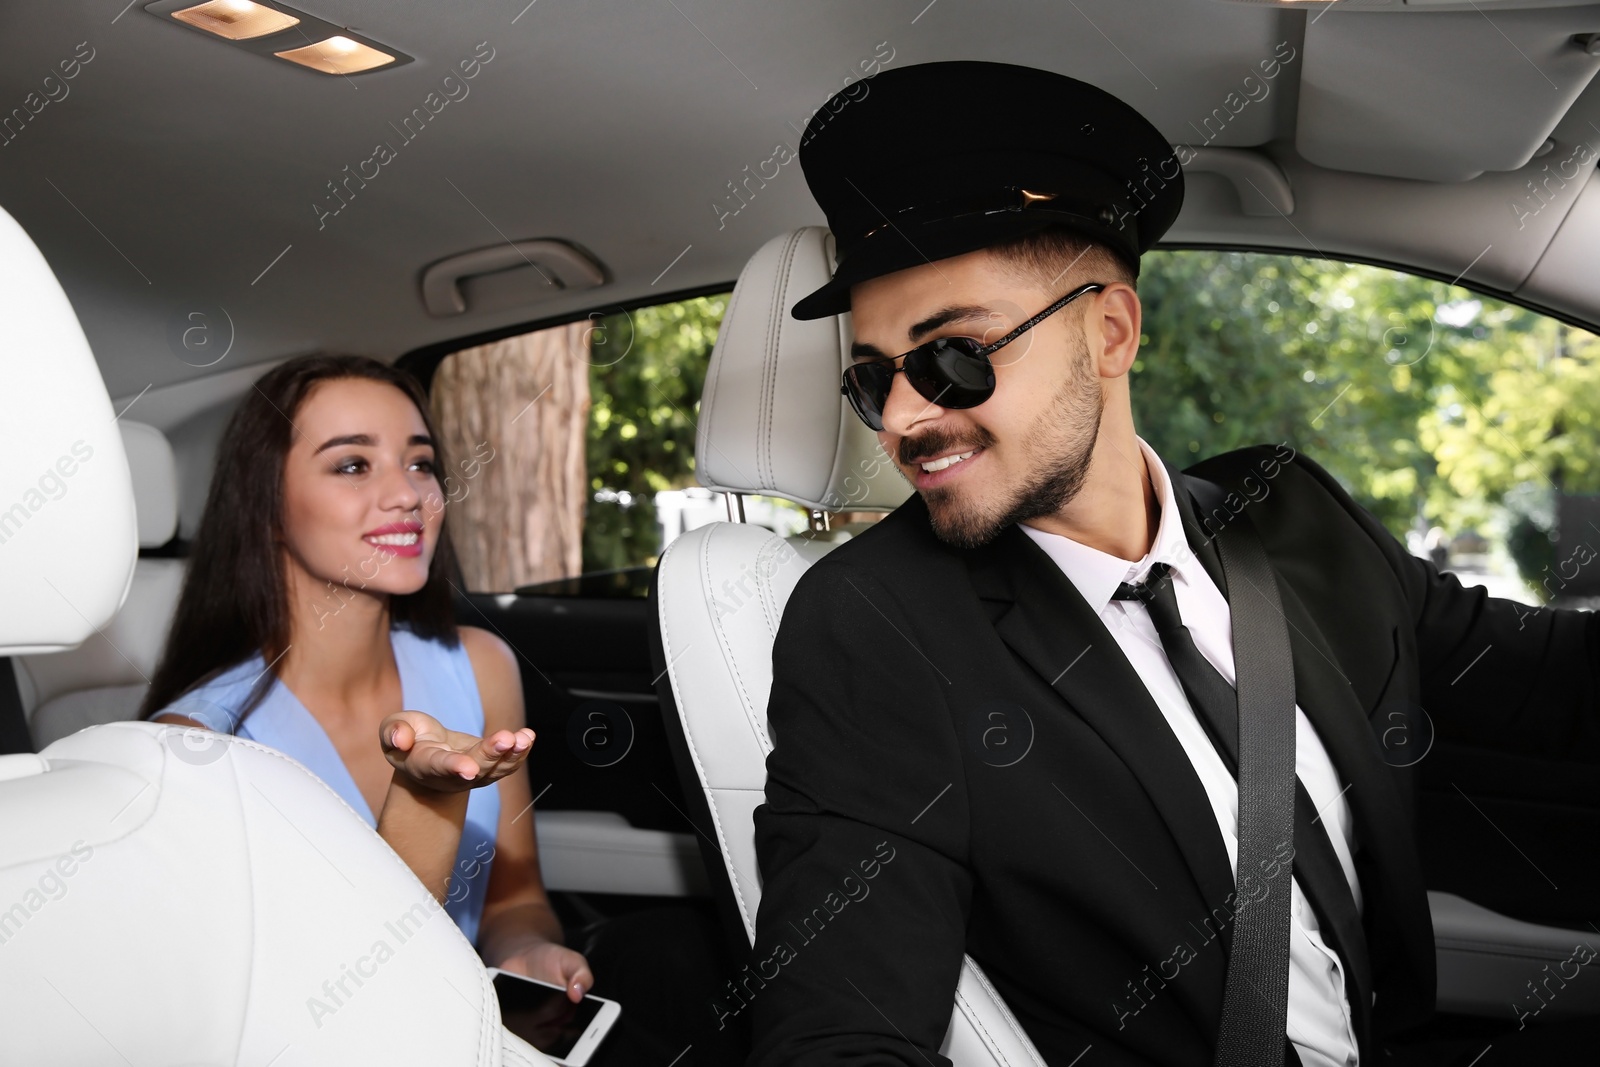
column 104, row 678
column 772, row 421
column 179, row 895
column 67, row 525
column 155, row 482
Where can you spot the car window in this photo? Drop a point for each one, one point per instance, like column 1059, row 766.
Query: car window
column 1465, row 423
column 570, row 450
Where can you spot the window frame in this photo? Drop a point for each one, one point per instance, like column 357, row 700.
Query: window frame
column 1386, row 264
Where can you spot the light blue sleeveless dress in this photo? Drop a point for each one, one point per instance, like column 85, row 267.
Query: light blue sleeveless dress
column 434, row 679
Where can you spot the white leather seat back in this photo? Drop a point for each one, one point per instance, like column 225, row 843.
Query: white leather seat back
column 772, row 421
column 172, row 895
column 180, row 896
column 722, row 675
column 155, row 482
column 67, row 527
column 105, row 678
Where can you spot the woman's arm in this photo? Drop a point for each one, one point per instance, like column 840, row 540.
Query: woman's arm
column 426, row 804
column 423, row 826
column 519, row 931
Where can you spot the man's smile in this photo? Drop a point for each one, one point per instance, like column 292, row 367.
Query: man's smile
column 935, row 472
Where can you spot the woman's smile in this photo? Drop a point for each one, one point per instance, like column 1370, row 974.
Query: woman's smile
column 400, row 538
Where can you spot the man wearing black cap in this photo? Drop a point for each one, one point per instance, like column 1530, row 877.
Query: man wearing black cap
column 1005, row 718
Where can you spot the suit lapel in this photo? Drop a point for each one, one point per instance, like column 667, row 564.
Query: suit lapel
column 1040, row 615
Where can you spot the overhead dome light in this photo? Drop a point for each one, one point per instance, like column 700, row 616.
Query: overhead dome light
column 337, row 55
column 274, row 30
column 236, row 20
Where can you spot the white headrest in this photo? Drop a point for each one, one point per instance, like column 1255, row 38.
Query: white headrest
column 180, row 896
column 772, row 419
column 155, row 482
column 68, row 536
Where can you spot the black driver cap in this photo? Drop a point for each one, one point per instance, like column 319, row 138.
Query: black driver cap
column 940, row 159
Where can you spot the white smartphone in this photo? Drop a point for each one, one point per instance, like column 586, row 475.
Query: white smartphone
column 541, row 1015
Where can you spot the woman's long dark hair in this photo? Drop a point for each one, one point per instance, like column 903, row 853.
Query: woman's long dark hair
column 235, row 600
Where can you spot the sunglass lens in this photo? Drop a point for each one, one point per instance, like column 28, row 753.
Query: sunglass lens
column 869, row 391
column 949, row 372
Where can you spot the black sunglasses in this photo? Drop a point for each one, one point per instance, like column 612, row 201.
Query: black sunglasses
column 952, row 372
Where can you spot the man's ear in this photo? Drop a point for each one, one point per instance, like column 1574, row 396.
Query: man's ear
column 1120, row 318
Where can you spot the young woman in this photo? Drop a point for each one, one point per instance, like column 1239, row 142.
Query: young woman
column 317, row 619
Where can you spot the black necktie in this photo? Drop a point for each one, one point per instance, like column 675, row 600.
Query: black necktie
column 1315, row 862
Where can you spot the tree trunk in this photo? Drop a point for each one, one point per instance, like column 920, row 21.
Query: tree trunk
column 514, row 416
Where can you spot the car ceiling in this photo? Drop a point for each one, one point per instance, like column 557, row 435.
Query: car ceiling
column 179, row 172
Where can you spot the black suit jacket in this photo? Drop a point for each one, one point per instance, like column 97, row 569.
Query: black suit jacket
column 964, row 761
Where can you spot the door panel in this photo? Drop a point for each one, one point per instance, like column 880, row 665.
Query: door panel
column 587, row 683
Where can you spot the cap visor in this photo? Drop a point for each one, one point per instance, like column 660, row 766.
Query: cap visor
column 894, row 250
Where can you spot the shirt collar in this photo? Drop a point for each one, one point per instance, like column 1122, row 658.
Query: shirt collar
column 1097, row 574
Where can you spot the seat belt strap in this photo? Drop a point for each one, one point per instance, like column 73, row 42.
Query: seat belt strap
column 1255, row 1002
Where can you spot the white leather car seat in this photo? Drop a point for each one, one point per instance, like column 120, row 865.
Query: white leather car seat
column 179, row 896
column 67, row 527
column 172, row 895
column 773, row 422
column 104, row 679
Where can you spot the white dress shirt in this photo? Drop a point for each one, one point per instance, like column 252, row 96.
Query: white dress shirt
column 1320, row 1023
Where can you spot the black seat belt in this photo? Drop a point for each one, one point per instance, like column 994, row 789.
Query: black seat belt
column 1255, row 999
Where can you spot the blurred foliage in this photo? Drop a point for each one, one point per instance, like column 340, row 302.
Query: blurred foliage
column 1424, row 400
column 647, row 369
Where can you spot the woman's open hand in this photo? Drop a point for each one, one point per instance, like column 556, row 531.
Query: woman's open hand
column 426, row 755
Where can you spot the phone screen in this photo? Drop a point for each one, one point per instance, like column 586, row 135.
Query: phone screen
column 542, row 1015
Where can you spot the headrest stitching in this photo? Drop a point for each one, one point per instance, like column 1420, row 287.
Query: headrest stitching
column 708, row 392
column 767, row 468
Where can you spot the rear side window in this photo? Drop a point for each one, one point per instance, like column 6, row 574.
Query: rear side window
column 572, row 451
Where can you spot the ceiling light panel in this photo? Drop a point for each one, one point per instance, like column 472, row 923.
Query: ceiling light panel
column 281, row 32
column 236, row 20
column 337, row 55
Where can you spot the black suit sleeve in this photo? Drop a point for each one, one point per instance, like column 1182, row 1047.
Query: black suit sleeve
column 862, row 841
column 1494, row 672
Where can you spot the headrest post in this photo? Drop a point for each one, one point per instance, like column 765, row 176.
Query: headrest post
column 732, row 500
column 818, row 520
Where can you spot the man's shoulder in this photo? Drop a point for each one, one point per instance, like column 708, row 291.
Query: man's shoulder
column 1228, row 468
column 1255, row 470
column 1296, row 504
column 889, row 553
column 903, row 532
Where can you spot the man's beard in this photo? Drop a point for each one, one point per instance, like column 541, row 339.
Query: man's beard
column 1063, row 437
